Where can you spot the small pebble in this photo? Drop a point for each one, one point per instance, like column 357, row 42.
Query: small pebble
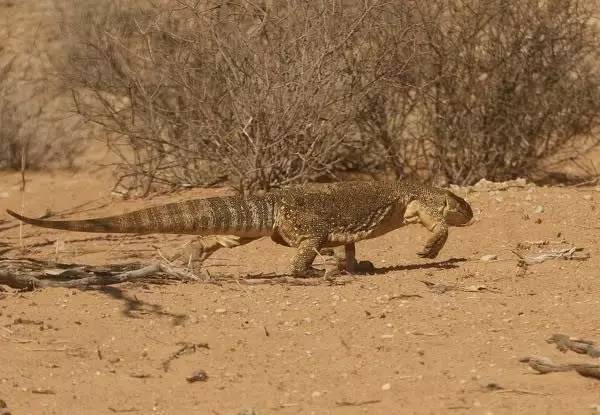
column 197, row 376
column 386, row 387
column 587, row 197
column 315, row 394
column 539, row 209
column 220, row 311
column 387, row 336
column 490, row 257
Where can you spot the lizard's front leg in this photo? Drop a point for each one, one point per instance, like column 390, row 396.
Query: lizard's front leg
column 302, row 262
column 434, row 222
column 436, row 242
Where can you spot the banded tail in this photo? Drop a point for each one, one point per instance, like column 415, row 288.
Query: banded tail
column 251, row 217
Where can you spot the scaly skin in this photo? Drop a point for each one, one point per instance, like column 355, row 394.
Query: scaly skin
column 308, row 217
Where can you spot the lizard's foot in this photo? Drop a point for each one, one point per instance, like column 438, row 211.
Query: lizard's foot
column 331, row 274
column 309, row 273
column 427, row 253
column 436, row 242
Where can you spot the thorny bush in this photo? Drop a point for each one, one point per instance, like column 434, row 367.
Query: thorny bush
column 261, row 94
column 270, row 93
column 30, row 138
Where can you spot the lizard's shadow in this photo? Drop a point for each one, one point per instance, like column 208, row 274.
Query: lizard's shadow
column 286, row 278
column 447, row 264
column 133, row 305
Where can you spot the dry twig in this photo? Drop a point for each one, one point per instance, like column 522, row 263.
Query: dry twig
column 581, row 346
column 29, row 273
column 186, row 348
column 545, row 365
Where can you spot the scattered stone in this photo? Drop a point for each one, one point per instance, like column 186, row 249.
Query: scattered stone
column 587, row 197
column 315, row 394
column 475, row 288
column 490, row 257
column 387, row 336
column 539, row 209
column 485, row 185
column 139, row 375
column 42, row 391
column 197, row 376
column 386, row 387
column 220, row 311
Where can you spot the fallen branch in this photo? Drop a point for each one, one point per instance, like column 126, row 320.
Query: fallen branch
column 569, row 253
column 29, row 273
column 494, row 387
column 359, row 403
column 186, row 348
column 544, row 365
column 440, row 288
column 581, row 346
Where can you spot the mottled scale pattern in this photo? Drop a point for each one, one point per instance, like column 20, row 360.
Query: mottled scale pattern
column 252, row 216
column 347, row 207
column 307, row 217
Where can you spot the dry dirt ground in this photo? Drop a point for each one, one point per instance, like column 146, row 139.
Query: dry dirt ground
column 380, row 344
column 377, row 344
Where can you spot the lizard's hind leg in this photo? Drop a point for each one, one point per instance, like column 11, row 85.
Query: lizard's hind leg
column 203, row 247
column 346, row 260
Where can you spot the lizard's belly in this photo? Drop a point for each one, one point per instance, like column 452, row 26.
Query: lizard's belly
column 387, row 224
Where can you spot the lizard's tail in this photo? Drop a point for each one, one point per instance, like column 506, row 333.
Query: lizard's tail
column 252, row 216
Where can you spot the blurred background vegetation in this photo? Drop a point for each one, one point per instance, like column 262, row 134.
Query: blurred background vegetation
column 267, row 93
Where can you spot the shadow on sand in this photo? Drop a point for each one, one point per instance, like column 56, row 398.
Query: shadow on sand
column 134, row 306
column 447, row 264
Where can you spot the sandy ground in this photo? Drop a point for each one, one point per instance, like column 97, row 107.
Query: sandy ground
column 377, row 344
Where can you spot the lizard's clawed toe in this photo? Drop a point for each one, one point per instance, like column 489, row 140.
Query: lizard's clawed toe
column 309, row 273
column 427, row 254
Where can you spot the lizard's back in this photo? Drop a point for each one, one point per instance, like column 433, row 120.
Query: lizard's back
column 346, row 211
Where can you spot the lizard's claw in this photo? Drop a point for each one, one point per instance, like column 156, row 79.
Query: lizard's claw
column 310, row 273
column 428, row 253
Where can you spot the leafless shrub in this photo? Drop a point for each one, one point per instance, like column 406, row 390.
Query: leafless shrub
column 29, row 137
column 259, row 92
column 269, row 93
column 495, row 88
column 511, row 84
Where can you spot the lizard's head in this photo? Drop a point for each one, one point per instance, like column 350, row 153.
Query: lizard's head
column 457, row 210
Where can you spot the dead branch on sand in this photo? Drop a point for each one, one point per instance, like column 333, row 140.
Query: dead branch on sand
column 545, row 365
column 28, row 273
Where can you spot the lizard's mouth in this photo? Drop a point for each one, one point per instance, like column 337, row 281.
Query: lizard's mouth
column 455, row 218
column 469, row 223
